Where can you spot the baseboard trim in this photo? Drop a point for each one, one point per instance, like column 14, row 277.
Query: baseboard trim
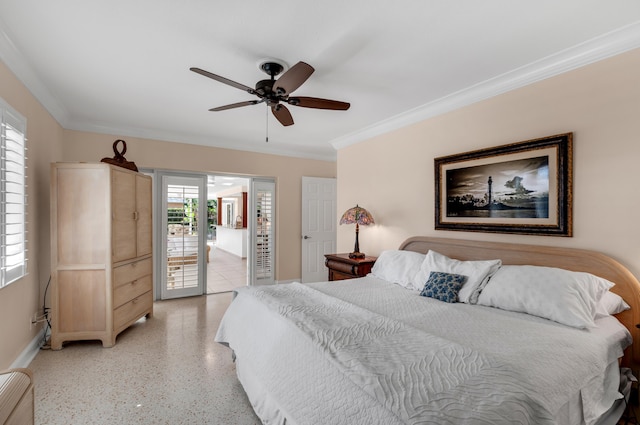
column 30, row 352
column 287, row 281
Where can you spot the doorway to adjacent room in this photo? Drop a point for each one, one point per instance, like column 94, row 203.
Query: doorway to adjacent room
column 213, row 233
column 227, row 235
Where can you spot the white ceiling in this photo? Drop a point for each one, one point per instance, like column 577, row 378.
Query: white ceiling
column 122, row 67
column 226, row 185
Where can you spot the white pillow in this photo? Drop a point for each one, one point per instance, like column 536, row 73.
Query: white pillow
column 477, row 273
column 556, row 294
column 398, row 267
column 611, row 304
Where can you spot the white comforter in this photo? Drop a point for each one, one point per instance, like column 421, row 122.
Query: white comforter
column 367, row 351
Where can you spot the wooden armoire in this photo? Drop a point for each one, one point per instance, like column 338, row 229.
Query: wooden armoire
column 101, row 251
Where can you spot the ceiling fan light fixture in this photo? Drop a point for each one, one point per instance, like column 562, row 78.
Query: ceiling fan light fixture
column 273, row 91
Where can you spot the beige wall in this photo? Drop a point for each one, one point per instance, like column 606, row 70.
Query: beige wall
column 22, row 298
column 599, row 103
column 288, row 172
column 49, row 142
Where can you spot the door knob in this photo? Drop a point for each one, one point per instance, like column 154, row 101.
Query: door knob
column 306, row 237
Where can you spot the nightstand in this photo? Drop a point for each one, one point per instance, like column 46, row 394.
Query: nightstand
column 342, row 267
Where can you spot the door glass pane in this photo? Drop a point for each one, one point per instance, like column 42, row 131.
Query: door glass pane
column 182, row 237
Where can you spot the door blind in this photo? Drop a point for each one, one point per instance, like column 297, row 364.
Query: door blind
column 182, row 237
column 264, row 234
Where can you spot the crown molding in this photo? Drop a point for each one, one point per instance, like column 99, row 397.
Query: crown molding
column 17, row 63
column 194, row 139
column 599, row 48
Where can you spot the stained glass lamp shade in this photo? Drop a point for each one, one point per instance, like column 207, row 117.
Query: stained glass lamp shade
column 359, row 216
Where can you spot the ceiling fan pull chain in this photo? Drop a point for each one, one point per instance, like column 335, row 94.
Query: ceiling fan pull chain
column 267, row 118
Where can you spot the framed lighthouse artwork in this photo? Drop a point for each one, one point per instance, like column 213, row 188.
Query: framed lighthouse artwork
column 524, row 188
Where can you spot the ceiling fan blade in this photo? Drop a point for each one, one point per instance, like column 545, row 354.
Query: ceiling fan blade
column 236, row 105
column 223, row 80
column 293, row 78
column 317, row 103
column 282, row 114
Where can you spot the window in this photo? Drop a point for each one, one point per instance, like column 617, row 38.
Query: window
column 13, row 195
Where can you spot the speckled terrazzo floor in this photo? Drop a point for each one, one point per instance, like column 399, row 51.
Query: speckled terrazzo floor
column 165, row 370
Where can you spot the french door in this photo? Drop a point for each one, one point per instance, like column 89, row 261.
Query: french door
column 181, row 230
column 183, row 227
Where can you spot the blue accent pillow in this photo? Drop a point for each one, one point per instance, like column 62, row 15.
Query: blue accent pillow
column 443, row 286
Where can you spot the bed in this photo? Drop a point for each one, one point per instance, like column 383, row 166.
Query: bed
column 372, row 350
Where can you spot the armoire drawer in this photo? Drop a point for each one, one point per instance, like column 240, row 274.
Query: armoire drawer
column 127, row 291
column 132, row 271
column 132, row 310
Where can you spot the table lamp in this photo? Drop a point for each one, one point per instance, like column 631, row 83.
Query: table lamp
column 358, row 216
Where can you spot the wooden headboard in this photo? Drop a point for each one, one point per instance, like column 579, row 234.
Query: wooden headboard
column 627, row 286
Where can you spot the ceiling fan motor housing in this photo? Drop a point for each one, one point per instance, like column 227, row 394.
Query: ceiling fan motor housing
column 264, row 86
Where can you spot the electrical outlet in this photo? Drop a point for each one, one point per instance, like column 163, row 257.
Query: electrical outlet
column 33, row 320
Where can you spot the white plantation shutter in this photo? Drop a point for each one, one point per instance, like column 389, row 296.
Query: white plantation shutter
column 264, row 247
column 13, row 195
column 262, row 252
column 182, row 245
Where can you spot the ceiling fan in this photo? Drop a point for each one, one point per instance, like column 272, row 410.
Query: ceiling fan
column 277, row 92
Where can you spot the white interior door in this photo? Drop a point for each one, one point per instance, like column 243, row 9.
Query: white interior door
column 183, row 227
column 262, row 246
column 318, row 226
